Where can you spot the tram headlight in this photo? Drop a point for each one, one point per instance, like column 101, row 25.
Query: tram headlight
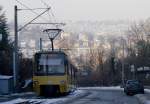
column 62, row 82
column 35, row 83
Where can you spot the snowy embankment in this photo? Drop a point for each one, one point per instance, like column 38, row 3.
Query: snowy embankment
column 147, row 90
column 144, row 98
column 60, row 100
column 102, row 88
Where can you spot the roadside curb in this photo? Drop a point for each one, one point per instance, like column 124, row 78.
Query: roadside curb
column 4, row 98
column 75, row 98
column 142, row 99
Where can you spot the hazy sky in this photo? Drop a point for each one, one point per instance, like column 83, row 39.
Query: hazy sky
column 86, row 9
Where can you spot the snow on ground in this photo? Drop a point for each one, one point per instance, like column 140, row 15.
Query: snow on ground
column 103, row 88
column 32, row 101
column 18, row 100
column 148, row 102
column 74, row 94
column 77, row 93
column 144, row 98
column 147, row 90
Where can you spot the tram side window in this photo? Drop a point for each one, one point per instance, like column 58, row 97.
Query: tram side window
column 70, row 68
column 73, row 72
column 67, row 69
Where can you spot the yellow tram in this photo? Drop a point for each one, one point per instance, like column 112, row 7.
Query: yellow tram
column 53, row 73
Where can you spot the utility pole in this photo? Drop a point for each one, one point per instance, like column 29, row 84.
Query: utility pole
column 15, row 53
column 16, row 30
column 15, row 70
column 123, row 76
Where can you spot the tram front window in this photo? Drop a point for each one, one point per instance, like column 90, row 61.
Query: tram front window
column 41, row 69
column 50, row 66
column 41, row 65
column 55, row 66
column 56, row 70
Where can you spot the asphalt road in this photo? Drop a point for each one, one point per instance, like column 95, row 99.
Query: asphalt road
column 90, row 96
column 105, row 97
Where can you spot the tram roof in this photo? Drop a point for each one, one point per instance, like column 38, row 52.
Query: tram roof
column 50, row 52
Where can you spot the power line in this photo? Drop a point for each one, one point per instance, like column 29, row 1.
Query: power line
column 49, row 11
column 34, row 19
column 52, row 14
column 46, row 6
column 32, row 10
column 51, row 23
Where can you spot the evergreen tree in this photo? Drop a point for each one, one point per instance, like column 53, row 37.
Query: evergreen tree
column 3, row 31
column 5, row 46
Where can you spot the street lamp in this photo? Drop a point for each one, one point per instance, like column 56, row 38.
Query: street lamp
column 52, row 33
